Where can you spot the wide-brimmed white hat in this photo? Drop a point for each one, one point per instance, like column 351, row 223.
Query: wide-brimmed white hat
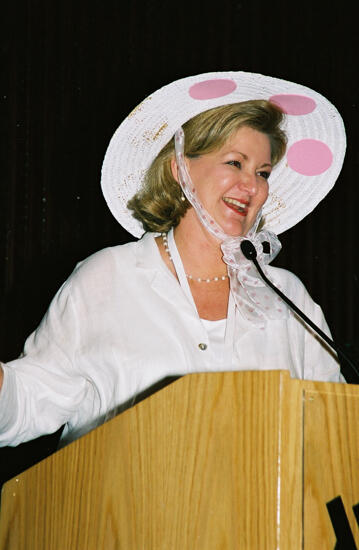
column 314, row 157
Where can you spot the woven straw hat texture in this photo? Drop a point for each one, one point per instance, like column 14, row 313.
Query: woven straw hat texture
column 314, row 157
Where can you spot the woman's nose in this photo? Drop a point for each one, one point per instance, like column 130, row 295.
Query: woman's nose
column 249, row 182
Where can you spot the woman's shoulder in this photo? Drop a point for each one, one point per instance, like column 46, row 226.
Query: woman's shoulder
column 106, row 264
column 106, row 256
column 288, row 282
column 124, row 253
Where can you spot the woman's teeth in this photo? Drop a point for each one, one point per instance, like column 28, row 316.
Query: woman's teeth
column 234, row 202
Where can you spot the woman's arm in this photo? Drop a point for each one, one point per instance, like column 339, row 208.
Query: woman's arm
column 56, row 379
column 41, row 388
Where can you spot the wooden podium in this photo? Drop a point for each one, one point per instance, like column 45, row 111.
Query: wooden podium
column 235, row 460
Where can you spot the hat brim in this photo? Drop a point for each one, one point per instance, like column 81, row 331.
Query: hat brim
column 314, row 128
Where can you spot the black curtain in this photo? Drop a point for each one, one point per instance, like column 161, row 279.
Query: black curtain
column 73, row 70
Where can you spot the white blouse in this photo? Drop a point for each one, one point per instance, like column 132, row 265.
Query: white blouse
column 216, row 333
column 119, row 324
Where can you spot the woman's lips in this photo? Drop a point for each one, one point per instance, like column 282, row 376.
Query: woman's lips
column 238, row 206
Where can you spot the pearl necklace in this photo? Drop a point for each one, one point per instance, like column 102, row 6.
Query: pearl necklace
column 190, row 277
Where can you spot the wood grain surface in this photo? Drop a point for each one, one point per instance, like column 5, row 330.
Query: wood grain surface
column 213, row 461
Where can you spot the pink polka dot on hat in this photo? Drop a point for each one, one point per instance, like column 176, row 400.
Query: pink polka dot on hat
column 314, row 157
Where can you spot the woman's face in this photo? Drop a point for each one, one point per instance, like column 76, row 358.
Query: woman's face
column 232, row 182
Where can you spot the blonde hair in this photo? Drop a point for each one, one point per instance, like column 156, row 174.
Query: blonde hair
column 158, row 205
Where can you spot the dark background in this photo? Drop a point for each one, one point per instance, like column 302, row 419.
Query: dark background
column 73, row 70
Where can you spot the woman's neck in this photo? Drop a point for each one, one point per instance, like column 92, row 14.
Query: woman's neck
column 201, row 257
column 200, row 252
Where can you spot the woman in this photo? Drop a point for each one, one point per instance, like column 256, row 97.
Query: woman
column 183, row 298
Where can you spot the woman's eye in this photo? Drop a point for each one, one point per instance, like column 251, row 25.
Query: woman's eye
column 264, row 175
column 235, row 163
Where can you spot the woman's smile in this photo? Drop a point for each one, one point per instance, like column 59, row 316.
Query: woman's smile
column 238, row 206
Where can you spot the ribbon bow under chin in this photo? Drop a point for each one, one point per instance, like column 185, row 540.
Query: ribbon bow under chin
column 256, row 301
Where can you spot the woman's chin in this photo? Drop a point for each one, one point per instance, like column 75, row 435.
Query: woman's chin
column 234, row 230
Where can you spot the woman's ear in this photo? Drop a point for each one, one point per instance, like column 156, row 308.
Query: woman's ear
column 174, row 169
